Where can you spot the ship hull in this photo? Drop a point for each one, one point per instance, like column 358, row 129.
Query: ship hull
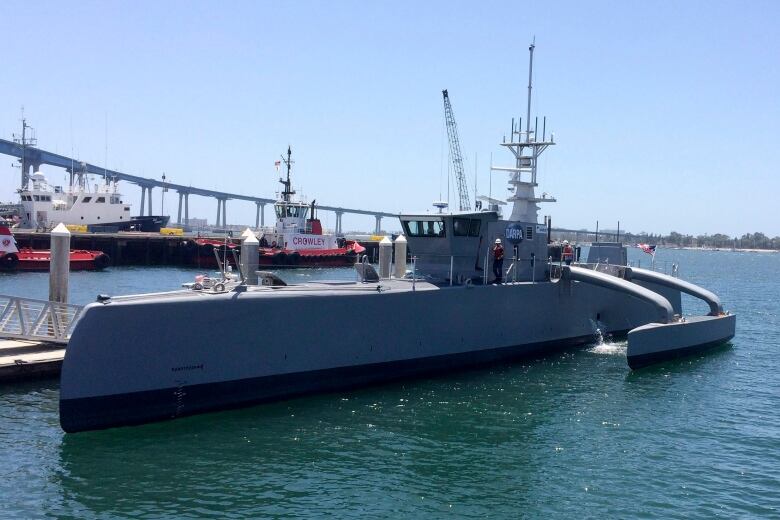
column 134, row 408
column 127, row 364
column 147, row 224
column 202, row 255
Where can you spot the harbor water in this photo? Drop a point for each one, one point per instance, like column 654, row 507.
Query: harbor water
column 570, row 435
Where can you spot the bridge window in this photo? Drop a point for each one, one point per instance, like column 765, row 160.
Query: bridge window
column 115, row 200
column 100, row 200
column 86, row 199
column 291, row 211
column 424, row 228
column 474, row 228
column 37, row 198
column 460, row 227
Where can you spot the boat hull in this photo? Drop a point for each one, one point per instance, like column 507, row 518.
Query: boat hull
column 656, row 342
column 100, row 412
column 148, row 224
column 202, row 254
column 40, row 260
column 119, row 373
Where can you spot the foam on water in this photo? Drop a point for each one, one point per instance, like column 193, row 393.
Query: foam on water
column 609, row 348
column 605, row 345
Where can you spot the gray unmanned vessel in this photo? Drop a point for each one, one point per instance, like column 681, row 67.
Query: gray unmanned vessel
column 136, row 359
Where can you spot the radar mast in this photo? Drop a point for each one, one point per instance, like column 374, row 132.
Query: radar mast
column 526, row 147
column 288, row 191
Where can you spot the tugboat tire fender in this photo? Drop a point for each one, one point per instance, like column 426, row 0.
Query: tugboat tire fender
column 280, row 259
column 101, row 261
column 9, row 262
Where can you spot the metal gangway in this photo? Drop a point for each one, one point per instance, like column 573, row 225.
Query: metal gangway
column 37, row 320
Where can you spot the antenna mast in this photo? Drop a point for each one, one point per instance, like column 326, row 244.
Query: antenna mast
column 455, row 154
column 530, row 78
column 288, row 191
column 526, row 150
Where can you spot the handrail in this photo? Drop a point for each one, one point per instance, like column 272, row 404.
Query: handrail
column 30, row 319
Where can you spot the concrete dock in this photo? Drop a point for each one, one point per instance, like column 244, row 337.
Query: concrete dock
column 23, row 360
column 136, row 248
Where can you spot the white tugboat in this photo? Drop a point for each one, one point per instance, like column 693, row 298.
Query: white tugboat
column 296, row 240
column 298, row 237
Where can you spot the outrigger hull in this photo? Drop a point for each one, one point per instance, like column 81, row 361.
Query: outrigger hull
column 657, row 342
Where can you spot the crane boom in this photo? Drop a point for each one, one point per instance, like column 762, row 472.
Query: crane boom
column 455, row 154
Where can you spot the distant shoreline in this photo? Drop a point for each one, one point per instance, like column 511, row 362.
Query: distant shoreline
column 727, row 249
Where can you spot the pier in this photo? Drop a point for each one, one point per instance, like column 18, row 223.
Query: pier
column 21, row 360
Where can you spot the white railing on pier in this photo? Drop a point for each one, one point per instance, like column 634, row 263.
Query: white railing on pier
column 26, row 318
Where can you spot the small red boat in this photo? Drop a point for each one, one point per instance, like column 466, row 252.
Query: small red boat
column 28, row 259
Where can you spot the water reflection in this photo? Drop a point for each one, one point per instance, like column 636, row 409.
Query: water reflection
column 382, row 445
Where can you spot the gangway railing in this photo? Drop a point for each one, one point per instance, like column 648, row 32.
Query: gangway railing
column 41, row 320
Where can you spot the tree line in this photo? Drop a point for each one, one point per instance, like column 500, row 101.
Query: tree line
column 718, row 240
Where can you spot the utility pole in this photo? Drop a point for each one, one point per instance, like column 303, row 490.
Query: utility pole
column 162, row 197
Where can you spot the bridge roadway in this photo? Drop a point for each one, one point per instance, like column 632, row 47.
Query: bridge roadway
column 35, row 157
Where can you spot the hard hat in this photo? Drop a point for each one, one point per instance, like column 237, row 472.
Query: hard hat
column 566, row 242
column 498, row 241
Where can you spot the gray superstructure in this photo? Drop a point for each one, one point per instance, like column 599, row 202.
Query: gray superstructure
column 150, row 357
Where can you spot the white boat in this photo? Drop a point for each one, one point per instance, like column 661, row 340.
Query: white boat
column 45, row 205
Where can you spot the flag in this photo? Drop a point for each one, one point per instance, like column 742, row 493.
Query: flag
column 277, row 164
column 647, row 248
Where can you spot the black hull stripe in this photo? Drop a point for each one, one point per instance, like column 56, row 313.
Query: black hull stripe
column 641, row 361
column 93, row 413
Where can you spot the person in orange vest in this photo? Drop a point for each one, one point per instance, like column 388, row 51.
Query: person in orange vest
column 568, row 252
column 498, row 261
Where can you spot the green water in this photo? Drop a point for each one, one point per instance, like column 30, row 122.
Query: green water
column 573, row 435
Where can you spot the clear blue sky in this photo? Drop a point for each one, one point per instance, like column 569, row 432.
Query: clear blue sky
column 665, row 113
